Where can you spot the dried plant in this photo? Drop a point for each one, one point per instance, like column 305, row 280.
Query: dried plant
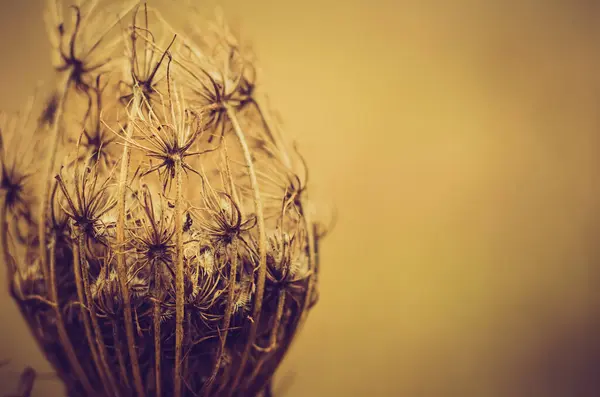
column 155, row 225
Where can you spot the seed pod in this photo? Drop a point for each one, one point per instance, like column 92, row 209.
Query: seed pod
column 155, row 225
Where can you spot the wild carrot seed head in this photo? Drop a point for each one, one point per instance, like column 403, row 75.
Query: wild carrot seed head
column 165, row 246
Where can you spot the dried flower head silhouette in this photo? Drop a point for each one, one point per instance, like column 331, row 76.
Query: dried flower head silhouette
column 155, row 224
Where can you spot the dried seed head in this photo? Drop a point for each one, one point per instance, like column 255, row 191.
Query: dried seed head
column 166, row 248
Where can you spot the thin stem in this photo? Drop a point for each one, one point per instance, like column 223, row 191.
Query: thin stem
column 156, row 318
column 186, row 346
column 272, row 337
column 262, row 252
column 121, row 266
column 225, row 375
column 311, row 263
column 268, row 391
column 179, row 285
column 8, row 259
column 63, row 336
column 119, row 353
column 11, row 267
column 94, row 317
column 307, row 221
column 233, row 190
column 227, row 319
column 268, row 124
column 301, row 317
column 54, row 138
column 306, row 215
column 77, row 271
column 278, row 316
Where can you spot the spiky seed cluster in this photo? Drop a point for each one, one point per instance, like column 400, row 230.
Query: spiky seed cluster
column 156, row 235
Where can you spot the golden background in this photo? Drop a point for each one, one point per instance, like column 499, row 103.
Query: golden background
column 459, row 142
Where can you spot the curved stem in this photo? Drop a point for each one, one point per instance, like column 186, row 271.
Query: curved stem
column 156, row 318
column 63, row 336
column 262, row 252
column 232, row 278
column 94, row 318
column 186, row 346
column 121, row 266
column 227, row 319
column 225, row 375
column 268, row 124
column 233, row 190
column 11, row 267
column 54, row 138
column 9, row 262
column 119, row 353
column 272, row 337
column 311, row 264
column 307, row 220
column 81, row 295
column 278, row 316
column 179, row 285
column 269, row 127
column 300, row 319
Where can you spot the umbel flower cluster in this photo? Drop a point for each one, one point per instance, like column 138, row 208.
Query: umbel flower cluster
column 154, row 220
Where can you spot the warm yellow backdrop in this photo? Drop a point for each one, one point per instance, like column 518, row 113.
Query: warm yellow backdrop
column 459, row 141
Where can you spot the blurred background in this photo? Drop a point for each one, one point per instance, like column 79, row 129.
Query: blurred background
column 460, row 143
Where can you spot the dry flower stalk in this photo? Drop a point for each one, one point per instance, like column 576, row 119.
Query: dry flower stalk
column 156, row 234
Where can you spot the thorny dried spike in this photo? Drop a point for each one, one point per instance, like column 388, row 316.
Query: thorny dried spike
column 214, row 95
column 144, row 69
column 214, row 91
column 220, row 216
column 87, row 208
column 76, row 66
column 16, row 169
column 170, row 141
column 12, row 184
column 95, row 140
column 288, row 186
column 154, row 241
column 75, row 54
